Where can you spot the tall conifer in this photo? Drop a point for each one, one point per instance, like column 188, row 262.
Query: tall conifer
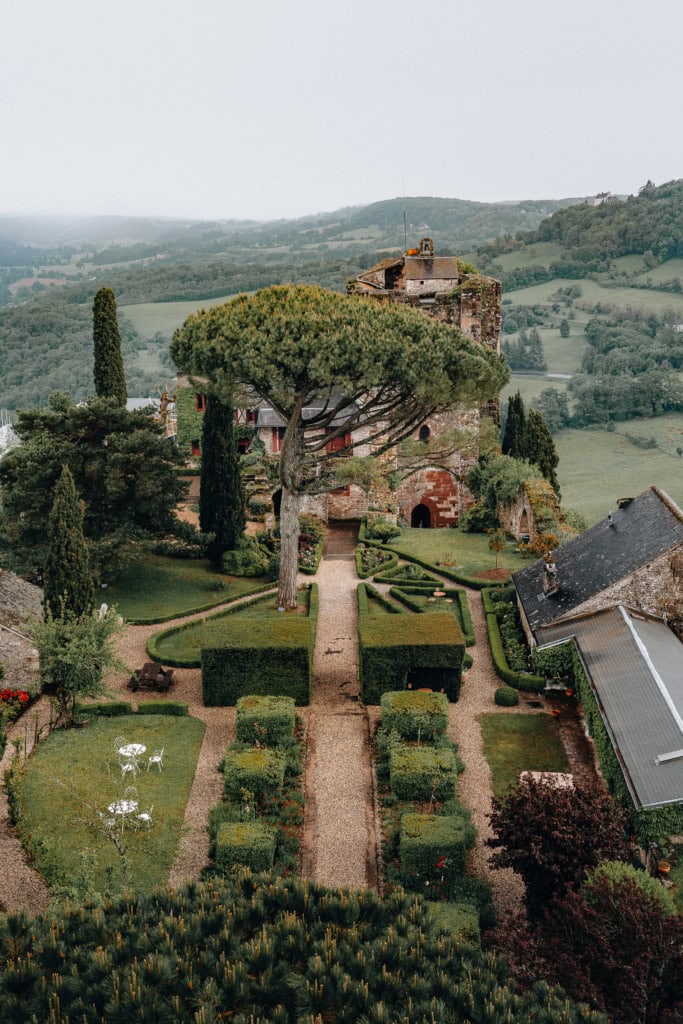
column 68, row 582
column 221, row 499
column 539, row 448
column 110, row 381
column 513, row 438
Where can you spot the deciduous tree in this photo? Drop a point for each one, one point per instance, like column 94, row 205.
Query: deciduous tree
column 221, row 499
column 110, row 381
column 68, row 586
column 550, row 835
column 331, row 365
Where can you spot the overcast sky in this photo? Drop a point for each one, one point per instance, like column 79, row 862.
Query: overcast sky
column 278, row 108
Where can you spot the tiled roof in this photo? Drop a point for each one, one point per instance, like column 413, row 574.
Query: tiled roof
column 437, row 268
column 634, row 662
column 642, row 529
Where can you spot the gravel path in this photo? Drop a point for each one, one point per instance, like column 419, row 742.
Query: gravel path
column 339, row 845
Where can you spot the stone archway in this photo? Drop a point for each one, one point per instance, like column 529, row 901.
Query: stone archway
column 524, row 522
column 421, row 516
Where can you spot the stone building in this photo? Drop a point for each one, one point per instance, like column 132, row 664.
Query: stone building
column 633, row 558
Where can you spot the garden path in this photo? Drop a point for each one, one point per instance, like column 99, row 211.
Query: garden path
column 340, row 844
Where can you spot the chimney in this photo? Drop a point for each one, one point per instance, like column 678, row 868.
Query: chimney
column 550, row 583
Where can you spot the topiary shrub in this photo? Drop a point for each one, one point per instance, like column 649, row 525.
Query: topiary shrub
column 245, row 842
column 247, row 559
column 381, row 530
column 414, row 714
column 265, row 720
column 432, row 849
column 108, row 709
column 423, row 773
column 460, row 920
column 506, row 696
column 259, row 771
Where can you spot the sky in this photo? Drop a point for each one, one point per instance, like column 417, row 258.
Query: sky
column 262, row 109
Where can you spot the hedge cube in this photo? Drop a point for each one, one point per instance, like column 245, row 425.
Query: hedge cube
column 265, row 720
column 422, row 773
column 433, row 849
column 413, row 713
column 259, row 771
column 245, row 842
column 413, row 651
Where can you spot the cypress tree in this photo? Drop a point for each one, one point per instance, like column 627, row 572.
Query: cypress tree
column 110, row 381
column 513, row 438
column 68, row 583
column 539, row 448
column 221, row 499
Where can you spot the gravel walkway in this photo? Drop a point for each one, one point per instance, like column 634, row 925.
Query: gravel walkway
column 340, row 846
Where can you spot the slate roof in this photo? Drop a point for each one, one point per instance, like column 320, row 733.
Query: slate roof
column 634, row 662
column 266, row 416
column 435, row 268
column 642, row 530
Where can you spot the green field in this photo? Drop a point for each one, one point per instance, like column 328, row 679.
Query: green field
column 468, row 551
column 668, row 271
column 149, row 317
column 541, row 254
column 74, row 774
column 592, row 293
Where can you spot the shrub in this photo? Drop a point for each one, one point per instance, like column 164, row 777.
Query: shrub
column 247, row 559
column 433, row 848
column 246, row 842
column 461, row 920
column 108, row 709
column 520, row 680
column 265, row 720
column 429, row 646
column 381, row 530
column 263, row 657
column 370, row 559
column 506, row 696
column 414, row 714
column 258, row 771
column 422, row 773
column 174, row 708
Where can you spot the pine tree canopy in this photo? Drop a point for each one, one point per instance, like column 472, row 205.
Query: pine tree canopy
column 110, row 381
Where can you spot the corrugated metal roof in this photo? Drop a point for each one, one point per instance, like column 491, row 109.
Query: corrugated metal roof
column 636, row 666
column 603, row 555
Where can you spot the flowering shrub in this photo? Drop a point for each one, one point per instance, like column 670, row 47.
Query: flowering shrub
column 12, row 702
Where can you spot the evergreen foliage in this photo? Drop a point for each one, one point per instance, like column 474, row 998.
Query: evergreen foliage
column 221, row 499
column 526, row 353
column 254, row 946
column 539, row 448
column 110, row 381
column 68, row 589
column 513, row 438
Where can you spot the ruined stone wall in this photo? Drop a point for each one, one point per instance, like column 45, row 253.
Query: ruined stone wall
column 436, row 488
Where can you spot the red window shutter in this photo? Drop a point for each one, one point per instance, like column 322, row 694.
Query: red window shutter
column 194, row 446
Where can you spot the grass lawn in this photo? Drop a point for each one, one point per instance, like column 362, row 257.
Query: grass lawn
column 185, row 645
column 440, row 605
column 515, row 743
column 155, row 588
column 466, row 551
column 591, row 292
column 74, row 773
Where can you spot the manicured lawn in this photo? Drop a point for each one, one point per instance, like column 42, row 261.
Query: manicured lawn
column 468, row 551
column 74, row 773
column 155, row 588
column 515, row 743
column 441, row 604
column 184, row 645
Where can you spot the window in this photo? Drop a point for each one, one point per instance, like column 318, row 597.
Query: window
column 194, row 447
column 200, row 402
column 424, row 433
column 342, row 492
column 277, row 434
column 337, row 444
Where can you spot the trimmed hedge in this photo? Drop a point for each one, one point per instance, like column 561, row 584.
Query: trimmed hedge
column 520, row 680
column 220, row 599
column 245, row 842
column 400, row 576
column 415, row 714
column 367, row 592
column 402, row 593
column 363, row 574
column 433, row 644
column 461, row 920
column 109, row 709
column 174, row 708
column 422, row 773
column 433, row 848
column 153, row 642
column 265, row 720
column 259, row 770
column 506, row 696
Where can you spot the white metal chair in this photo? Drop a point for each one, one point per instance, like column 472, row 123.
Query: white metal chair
column 119, row 741
column 156, row 758
column 128, row 766
column 144, row 819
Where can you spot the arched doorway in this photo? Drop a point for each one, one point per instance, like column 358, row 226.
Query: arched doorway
column 421, row 517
